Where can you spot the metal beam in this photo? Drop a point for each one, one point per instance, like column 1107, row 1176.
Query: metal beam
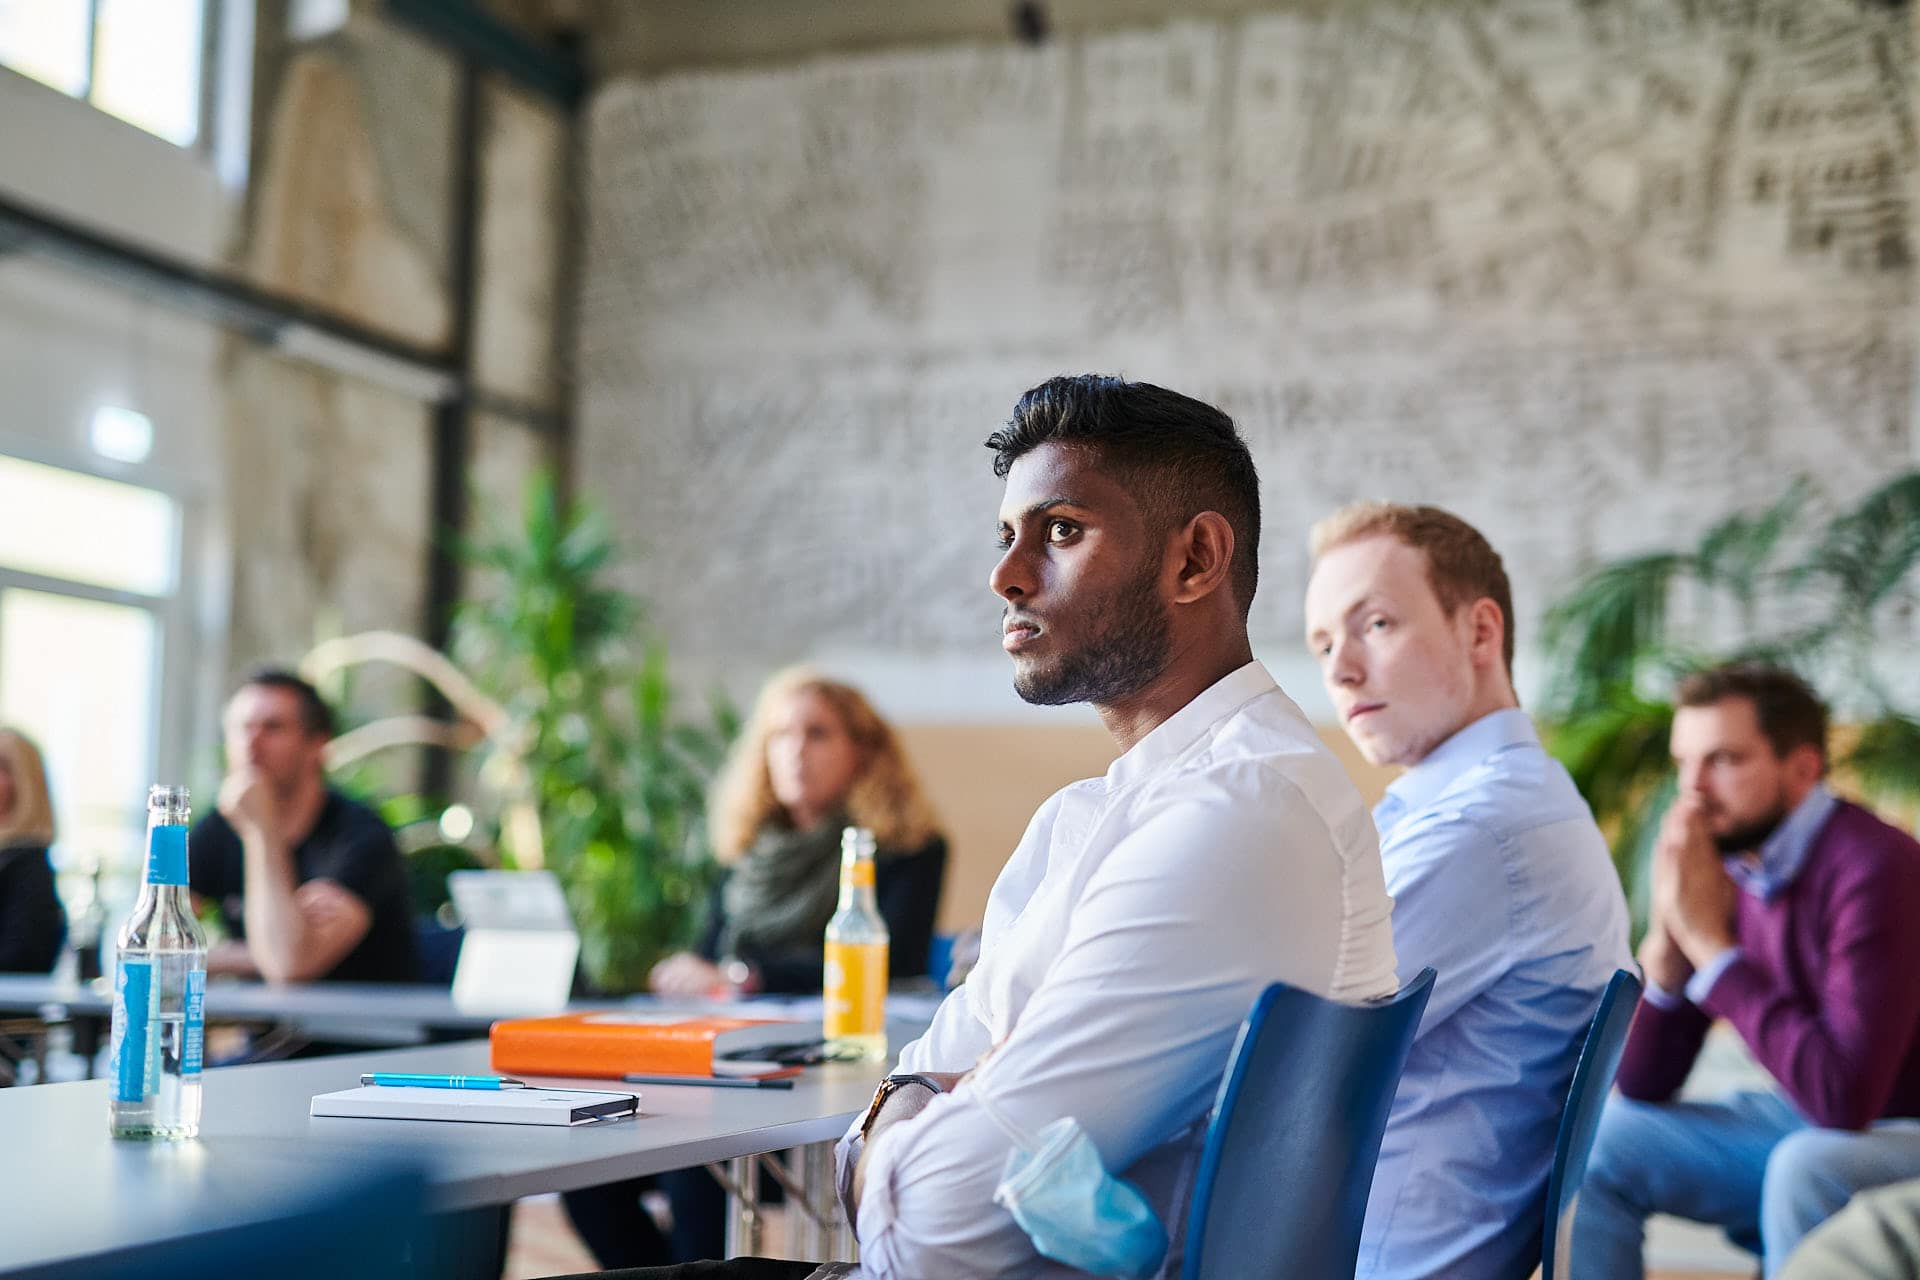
column 452, row 418
column 471, row 33
column 298, row 329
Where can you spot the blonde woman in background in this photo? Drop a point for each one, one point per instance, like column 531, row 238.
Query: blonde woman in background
column 814, row 759
column 32, row 926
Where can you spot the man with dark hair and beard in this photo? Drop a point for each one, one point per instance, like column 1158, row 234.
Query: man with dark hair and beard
column 1795, row 917
column 1142, row 912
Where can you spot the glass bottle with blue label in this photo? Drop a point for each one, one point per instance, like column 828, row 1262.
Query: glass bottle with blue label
column 160, row 989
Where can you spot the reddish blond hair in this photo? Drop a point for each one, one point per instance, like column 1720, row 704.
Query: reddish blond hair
column 1461, row 564
column 886, row 798
column 30, row 821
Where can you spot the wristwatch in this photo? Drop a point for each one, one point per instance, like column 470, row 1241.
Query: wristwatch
column 890, row 1086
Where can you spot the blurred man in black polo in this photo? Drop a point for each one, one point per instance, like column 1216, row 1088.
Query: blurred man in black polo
column 308, row 882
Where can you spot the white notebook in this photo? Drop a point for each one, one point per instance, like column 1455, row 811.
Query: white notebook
column 484, row 1106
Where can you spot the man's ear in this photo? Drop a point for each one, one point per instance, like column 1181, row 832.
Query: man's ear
column 1487, row 631
column 1202, row 554
column 1806, row 765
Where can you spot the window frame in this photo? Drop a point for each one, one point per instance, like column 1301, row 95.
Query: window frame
column 207, row 89
column 174, row 675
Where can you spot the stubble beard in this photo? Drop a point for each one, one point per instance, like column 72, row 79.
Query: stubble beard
column 1130, row 649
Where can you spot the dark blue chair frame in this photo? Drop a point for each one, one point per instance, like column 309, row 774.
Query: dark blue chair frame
column 1283, row 1180
column 1586, row 1096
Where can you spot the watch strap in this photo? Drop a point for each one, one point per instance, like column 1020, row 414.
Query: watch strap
column 890, row 1086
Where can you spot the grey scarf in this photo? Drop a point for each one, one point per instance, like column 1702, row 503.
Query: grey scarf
column 783, row 891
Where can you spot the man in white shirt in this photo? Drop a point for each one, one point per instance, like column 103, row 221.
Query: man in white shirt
column 1143, row 911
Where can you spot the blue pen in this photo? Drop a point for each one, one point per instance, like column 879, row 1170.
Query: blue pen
column 398, row 1078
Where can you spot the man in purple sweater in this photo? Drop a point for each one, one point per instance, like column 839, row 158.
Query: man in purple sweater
column 1796, row 917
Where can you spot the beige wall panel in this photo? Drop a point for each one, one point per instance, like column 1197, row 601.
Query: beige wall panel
column 505, row 455
column 986, row 781
column 353, row 185
column 329, row 517
column 522, row 220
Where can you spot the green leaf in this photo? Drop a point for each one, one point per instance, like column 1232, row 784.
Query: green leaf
column 620, row 782
column 1599, row 635
column 1884, row 759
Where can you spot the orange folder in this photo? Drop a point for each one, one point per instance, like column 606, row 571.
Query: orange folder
column 615, row 1043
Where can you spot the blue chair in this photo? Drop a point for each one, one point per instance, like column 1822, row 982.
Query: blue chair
column 369, row 1225
column 1592, row 1080
column 1283, row 1180
column 436, row 949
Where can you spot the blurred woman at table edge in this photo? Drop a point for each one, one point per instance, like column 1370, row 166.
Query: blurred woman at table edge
column 814, row 759
column 32, row 926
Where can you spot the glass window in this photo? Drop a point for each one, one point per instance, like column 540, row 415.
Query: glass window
column 146, row 65
column 48, row 40
column 79, row 678
column 62, row 524
column 136, row 59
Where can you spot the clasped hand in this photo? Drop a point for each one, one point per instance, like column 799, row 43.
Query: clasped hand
column 1694, row 898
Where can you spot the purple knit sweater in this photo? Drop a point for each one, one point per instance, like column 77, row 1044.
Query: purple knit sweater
column 1826, row 991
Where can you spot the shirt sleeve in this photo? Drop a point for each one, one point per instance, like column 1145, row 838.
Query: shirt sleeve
column 1659, row 997
column 1700, row 985
column 1451, row 910
column 953, row 1041
column 1838, row 1054
column 1662, row 1043
column 1182, row 924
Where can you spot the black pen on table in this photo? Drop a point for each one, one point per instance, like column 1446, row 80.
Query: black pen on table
column 712, row 1082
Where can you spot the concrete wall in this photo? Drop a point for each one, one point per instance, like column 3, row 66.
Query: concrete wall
column 1591, row 276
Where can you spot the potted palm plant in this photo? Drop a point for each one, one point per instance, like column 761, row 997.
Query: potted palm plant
column 618, row 775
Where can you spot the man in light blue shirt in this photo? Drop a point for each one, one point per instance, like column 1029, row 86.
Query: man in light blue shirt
column 1500, row 881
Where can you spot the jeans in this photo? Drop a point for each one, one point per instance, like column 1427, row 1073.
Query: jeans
column 1749, row 1164
column 1812, row 1175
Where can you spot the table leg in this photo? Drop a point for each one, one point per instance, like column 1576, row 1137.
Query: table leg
column 828, row 1229
column 741, row 1178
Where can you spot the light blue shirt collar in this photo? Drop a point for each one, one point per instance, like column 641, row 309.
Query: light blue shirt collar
column 1427, row 781
column 1783, row 853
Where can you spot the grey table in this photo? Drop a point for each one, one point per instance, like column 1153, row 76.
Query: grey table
column 69, row 1190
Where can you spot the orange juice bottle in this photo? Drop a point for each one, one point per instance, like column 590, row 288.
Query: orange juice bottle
column 855, row 982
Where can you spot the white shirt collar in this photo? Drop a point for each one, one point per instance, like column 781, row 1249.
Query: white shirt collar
column 1172, row 736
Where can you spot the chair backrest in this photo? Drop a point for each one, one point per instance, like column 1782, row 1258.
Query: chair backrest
column 1592, row 1079
column 1283, row 1180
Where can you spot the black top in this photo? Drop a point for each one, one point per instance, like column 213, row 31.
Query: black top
column 907, row 888
column 32, row 926
column 348, row 845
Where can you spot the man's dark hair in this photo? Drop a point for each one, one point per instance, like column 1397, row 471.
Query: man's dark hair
column 1790, row 712
column 316, row 717
column 1177, row 456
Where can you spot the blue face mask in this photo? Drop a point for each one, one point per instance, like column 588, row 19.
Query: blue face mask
column 1072, row 1209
